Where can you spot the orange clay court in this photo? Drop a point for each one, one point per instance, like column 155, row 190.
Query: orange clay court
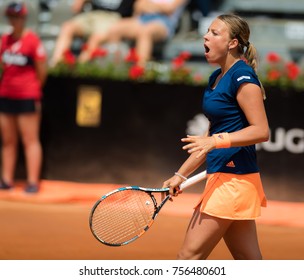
column 53, row 225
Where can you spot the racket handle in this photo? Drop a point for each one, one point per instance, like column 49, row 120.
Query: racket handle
column 193, row 180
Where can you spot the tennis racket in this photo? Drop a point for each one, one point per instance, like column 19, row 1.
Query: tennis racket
column 125, row 214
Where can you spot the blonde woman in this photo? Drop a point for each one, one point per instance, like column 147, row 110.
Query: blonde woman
column 233, row 103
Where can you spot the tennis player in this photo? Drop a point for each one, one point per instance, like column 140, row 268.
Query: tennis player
column 233, row 103
column 23, row 64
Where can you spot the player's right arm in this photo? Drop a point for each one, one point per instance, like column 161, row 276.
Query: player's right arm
column 192, row 163
column 188, row 167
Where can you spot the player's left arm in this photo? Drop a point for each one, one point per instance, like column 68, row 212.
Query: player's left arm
column 41, row 70
column 40, row 62
column 250, row 99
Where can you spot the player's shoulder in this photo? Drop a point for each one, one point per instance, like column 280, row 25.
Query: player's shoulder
column 242, row 67
column 31, row 39
column 242, row 72
column 32, row 34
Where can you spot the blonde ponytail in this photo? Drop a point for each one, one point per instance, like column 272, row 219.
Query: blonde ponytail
column 239, row 29
column 250, row 56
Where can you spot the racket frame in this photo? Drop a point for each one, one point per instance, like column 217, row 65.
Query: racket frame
column 157, row 207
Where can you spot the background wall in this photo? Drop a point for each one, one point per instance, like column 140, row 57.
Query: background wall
column 138, row 138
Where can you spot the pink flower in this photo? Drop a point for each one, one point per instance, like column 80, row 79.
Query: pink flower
column 69, row 57
column 99, row 52
column 293, row 70
column 132, row 56
column 274, row 75
column 185, row 55
column 178, row 62
column 273, row 57
column 136, row 72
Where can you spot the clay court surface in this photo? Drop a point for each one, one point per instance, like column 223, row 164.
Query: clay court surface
column 53, row 225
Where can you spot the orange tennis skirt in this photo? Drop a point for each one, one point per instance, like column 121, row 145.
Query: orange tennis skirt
column 233, row 196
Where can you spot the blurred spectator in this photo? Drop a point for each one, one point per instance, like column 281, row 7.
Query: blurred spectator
column 203, row 6
column 198, row 10
column 23, row 64
column 152, row 21
column 104, row 14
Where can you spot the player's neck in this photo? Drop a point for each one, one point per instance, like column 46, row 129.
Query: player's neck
column 228, row 65
column 18, row 33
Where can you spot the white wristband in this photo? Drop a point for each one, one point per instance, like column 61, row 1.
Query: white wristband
column 181, row 176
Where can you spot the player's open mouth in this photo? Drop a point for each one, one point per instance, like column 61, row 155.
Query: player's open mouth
column 206, row 49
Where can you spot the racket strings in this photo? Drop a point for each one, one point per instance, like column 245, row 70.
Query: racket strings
column 122, row 216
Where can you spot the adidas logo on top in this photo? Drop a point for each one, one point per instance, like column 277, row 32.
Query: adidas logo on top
column 230, row 164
